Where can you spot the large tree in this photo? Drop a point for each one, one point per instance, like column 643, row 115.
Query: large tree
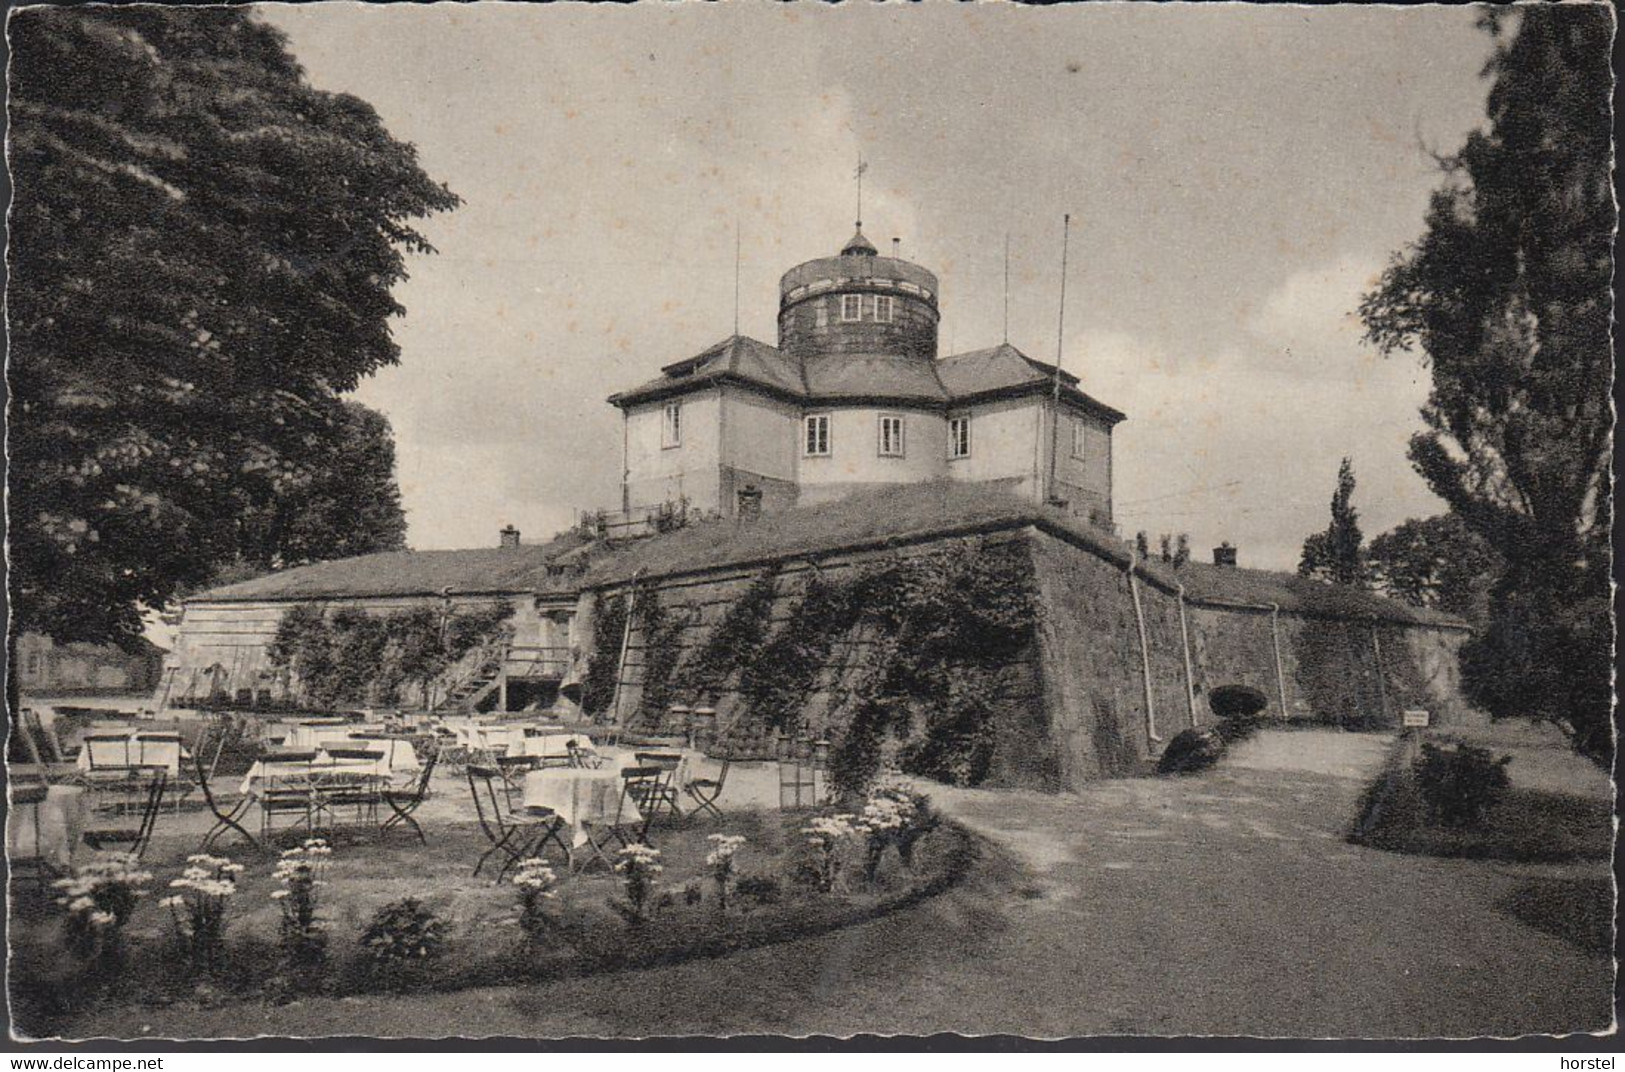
column 1336, row 554
column 202, row 249
column 1507, row 294
column 1435, row 562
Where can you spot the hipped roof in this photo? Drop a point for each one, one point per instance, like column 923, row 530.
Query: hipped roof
column 999, row 371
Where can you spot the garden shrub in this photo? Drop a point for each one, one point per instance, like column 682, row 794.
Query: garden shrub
column 402, row 933
column 734, row 642
column 1459, row 785
column 1191, row 751
column 759, row 889
column 639, row 867
column 603, row 663
column 538, row 900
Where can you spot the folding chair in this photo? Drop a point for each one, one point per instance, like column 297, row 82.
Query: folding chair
column 621, row 830
column 496, row 819
column 403, row 802
column 642, row 787
column 286, row 787
column 705, row 791
column 25, row 804
column 223, row 820
column 343, row 790
column 136, row 837
column 663, row 794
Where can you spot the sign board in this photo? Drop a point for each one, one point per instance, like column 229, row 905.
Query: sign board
column 1415, row 719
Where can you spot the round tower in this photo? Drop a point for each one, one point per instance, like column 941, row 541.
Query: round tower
column 858, row 303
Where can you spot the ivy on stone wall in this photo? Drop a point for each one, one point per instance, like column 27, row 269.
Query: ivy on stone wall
column 353, row 657
column 661, row 634
column 734, row 642
column 777, row 682
column 603, row 662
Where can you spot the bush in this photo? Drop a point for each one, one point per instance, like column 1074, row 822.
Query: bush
column 1459, row 785
column 759, row 889
column 1191, row 751
column 404, row 932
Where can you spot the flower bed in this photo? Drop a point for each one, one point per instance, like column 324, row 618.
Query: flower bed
column 356, row 916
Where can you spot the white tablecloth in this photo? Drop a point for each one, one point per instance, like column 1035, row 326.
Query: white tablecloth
column 393, row 766
column 317, row 736
column 50, row 829
column 580, row 797
column 140, row 749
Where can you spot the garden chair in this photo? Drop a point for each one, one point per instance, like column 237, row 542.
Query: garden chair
column 705, row 791
column 504, row 829
column 26, row 801
column 663, row 794
column 364, row 792
column 223, row 820
column 287, row 787
column 134, row 839
column 403, row 802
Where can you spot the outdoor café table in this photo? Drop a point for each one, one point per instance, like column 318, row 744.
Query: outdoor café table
column 316, row 734
column 142, row 748
column 552, row 746
column 49, row 829
column 580, row 797
column 325, row 770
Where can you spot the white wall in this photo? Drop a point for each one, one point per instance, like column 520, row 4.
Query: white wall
column 854, row 459
column 759, row 434
column 1003, row 443
column 659, row 474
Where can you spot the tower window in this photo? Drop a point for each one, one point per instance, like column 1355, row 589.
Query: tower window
column 671, row 429
column 851, row 307
column 883, row 309
column 959, row 437
column 816, row 440
column 891, row 436
column 1080, row 439
column 820, row 314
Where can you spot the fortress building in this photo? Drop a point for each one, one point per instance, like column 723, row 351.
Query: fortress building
column 855, row 397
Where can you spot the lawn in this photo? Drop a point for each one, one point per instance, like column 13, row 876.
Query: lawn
column 776, row 895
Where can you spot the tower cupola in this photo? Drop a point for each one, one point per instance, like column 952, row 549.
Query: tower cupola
column 858, row 302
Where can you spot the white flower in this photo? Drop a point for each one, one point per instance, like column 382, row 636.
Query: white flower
column 277, row 895
column 231, row 869
column 101, row 919
column 81, row 904
column 172, row 902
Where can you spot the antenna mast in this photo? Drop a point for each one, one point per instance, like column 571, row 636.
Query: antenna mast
column 862, row 167
column 1060, row 336
column 736, row 275
column 1007, row 286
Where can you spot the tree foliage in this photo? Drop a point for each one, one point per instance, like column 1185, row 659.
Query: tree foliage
column 1336, row 555
column 1435, row 562
column 1507, row 293
column 348, row 656
column 202, row 251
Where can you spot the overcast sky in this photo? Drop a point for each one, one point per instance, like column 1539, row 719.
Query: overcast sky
column 1236, row 175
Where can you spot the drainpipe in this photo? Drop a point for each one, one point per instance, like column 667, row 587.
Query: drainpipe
column 1382, row 686
column 1275, row 639
column 1185, row 647
column 1145, row 651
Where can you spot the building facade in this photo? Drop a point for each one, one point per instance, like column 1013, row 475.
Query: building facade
column 854, row 397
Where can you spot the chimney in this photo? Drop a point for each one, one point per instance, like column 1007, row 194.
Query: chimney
column 510, row 536
column 750, row 502
column 1224, row 555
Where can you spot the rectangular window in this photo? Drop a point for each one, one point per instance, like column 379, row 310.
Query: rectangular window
column 891, row 436
column 1080, row 439
column 851, row 307
column 959, row 437
column 816, row 442
column 883, row 309
column 820, row 314
column 671, row 430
